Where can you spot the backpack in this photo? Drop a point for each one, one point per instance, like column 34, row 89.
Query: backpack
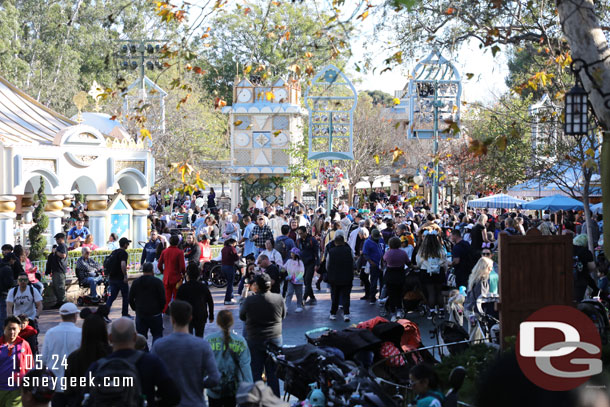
column 434, row 265
column 128, row 392
column 31, row 291
column 109, row 262
column 280, row 246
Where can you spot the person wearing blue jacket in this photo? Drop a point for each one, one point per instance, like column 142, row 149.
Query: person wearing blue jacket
column 233, row 360
column 372, row 251
column 150, row 248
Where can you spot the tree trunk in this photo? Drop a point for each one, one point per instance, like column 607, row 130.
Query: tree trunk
column 587, row 42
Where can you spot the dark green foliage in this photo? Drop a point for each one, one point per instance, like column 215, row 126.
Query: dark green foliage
column 41, row 222
column 475, row 360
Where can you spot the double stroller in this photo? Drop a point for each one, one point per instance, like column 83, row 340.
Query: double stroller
column 341, row 365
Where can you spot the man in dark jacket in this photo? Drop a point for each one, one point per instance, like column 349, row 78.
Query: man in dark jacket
column 6, row 281
column 150, row 248
column 198, row 295
column 340, row 270
column 310, row 256
column 263, row 314
column 147, row 299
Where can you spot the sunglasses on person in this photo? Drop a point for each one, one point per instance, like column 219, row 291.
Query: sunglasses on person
column 485, row 253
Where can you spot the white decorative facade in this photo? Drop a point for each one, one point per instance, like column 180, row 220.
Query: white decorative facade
column 97, row 160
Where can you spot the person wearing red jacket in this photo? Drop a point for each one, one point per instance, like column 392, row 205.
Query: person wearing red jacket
column 29, row 333
column 12, row 369
column 172, row 266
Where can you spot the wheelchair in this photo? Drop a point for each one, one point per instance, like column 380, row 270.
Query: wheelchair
column 85, row 299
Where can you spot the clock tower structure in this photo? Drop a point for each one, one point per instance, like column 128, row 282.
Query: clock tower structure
column 265, row 122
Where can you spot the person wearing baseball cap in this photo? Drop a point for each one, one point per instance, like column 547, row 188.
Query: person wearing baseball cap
column 57, row 265
column 117, row 276
column 263, row 314
column 59, row 342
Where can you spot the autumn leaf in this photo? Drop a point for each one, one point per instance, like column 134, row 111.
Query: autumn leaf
column 308, row 55
column 145, row 134
column 469, row 76
column 295, row 68
column 287, row 35
column 237, row 122
column 276, row 133
column 198, row 70
column 247, row 11
column 269, row 96
column 494, row 50
column 363, row 15
column 590, row 152
column 396, row 101
column 180, row 15
column 449, row 11
column 396, row 154
column 376, row 157
column 218, row 103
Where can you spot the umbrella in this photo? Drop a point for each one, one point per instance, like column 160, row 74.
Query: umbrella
column 554, row 203
column 597, row 208
column 496, row 201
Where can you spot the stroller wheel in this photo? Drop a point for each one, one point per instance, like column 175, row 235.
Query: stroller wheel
column 80, row 301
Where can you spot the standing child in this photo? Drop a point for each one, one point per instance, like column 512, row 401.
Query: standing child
column 296, row 270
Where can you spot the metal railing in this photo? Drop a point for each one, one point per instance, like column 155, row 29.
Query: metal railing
column 133, row 261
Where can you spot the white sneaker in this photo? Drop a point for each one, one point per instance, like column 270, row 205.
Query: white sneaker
column 399, row 315
column 333, row 317
column 299, row 309
column 382, row 300
column 346, row 318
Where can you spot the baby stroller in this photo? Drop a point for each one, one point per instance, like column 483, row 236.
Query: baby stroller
column 597, row 312
column 413, row 298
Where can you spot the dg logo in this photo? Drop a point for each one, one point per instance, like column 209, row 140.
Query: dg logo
column 559, row 348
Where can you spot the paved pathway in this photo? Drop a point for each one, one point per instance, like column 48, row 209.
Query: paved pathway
column 294, row 326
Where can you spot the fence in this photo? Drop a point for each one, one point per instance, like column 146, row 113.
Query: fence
column 133, row 262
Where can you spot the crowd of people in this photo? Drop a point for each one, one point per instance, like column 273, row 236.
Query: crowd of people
column 395, row 246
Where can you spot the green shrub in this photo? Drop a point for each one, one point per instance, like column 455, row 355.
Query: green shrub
column 475, row 360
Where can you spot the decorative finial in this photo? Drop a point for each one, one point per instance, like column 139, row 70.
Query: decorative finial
column 80, row 101
column 96, row 92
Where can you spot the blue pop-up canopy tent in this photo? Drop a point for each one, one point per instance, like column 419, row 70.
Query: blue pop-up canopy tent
column 554, row 203
column 496, row 201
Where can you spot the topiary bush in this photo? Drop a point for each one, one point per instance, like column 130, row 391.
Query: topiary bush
column 41, row 222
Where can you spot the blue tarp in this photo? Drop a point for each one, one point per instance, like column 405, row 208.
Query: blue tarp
column 554, row 203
